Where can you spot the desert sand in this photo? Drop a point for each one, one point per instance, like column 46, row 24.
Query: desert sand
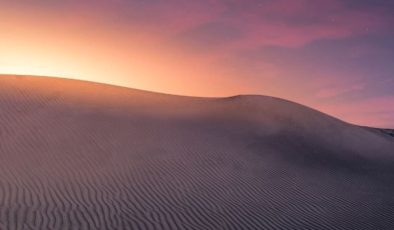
column 81, row 155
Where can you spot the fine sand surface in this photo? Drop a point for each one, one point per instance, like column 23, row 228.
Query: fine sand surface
column 79, row 155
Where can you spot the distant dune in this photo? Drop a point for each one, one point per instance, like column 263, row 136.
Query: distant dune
column 80, row 155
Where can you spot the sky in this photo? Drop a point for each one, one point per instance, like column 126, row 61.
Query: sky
column 336, row 56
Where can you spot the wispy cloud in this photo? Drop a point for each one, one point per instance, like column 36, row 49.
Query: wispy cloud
column 339, row 90
column 377, row 111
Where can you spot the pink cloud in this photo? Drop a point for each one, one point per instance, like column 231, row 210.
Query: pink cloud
column 338, row 90
column 289, row 23
column 296, row 23
column 377, row 111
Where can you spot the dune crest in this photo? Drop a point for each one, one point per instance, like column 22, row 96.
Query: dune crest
column 80, row 155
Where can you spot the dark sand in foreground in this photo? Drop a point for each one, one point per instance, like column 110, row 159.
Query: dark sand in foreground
column 79, row 155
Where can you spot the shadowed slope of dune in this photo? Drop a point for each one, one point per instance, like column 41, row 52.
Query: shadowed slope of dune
column 79, row 155
column 388, row 132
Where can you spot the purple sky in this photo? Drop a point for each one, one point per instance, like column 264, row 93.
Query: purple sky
column 336, row 56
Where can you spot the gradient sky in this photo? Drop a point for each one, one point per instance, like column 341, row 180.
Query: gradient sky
column 333, row 55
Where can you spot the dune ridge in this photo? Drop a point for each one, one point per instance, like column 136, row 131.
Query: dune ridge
column 80, row 155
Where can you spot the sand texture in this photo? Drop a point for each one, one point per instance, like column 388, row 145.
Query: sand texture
column 80, row 155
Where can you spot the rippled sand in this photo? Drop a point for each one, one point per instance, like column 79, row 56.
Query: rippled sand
column 79, row 155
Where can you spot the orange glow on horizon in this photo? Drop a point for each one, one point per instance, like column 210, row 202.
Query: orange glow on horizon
column 94, row 45
column 36, row 46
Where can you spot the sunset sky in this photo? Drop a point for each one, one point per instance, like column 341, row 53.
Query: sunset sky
column 334, row 55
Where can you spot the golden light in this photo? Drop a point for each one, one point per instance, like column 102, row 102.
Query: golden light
column 79, row 48
column 34, row 48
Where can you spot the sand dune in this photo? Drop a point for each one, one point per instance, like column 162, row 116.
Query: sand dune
column 79, row 155
column 389, row 132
